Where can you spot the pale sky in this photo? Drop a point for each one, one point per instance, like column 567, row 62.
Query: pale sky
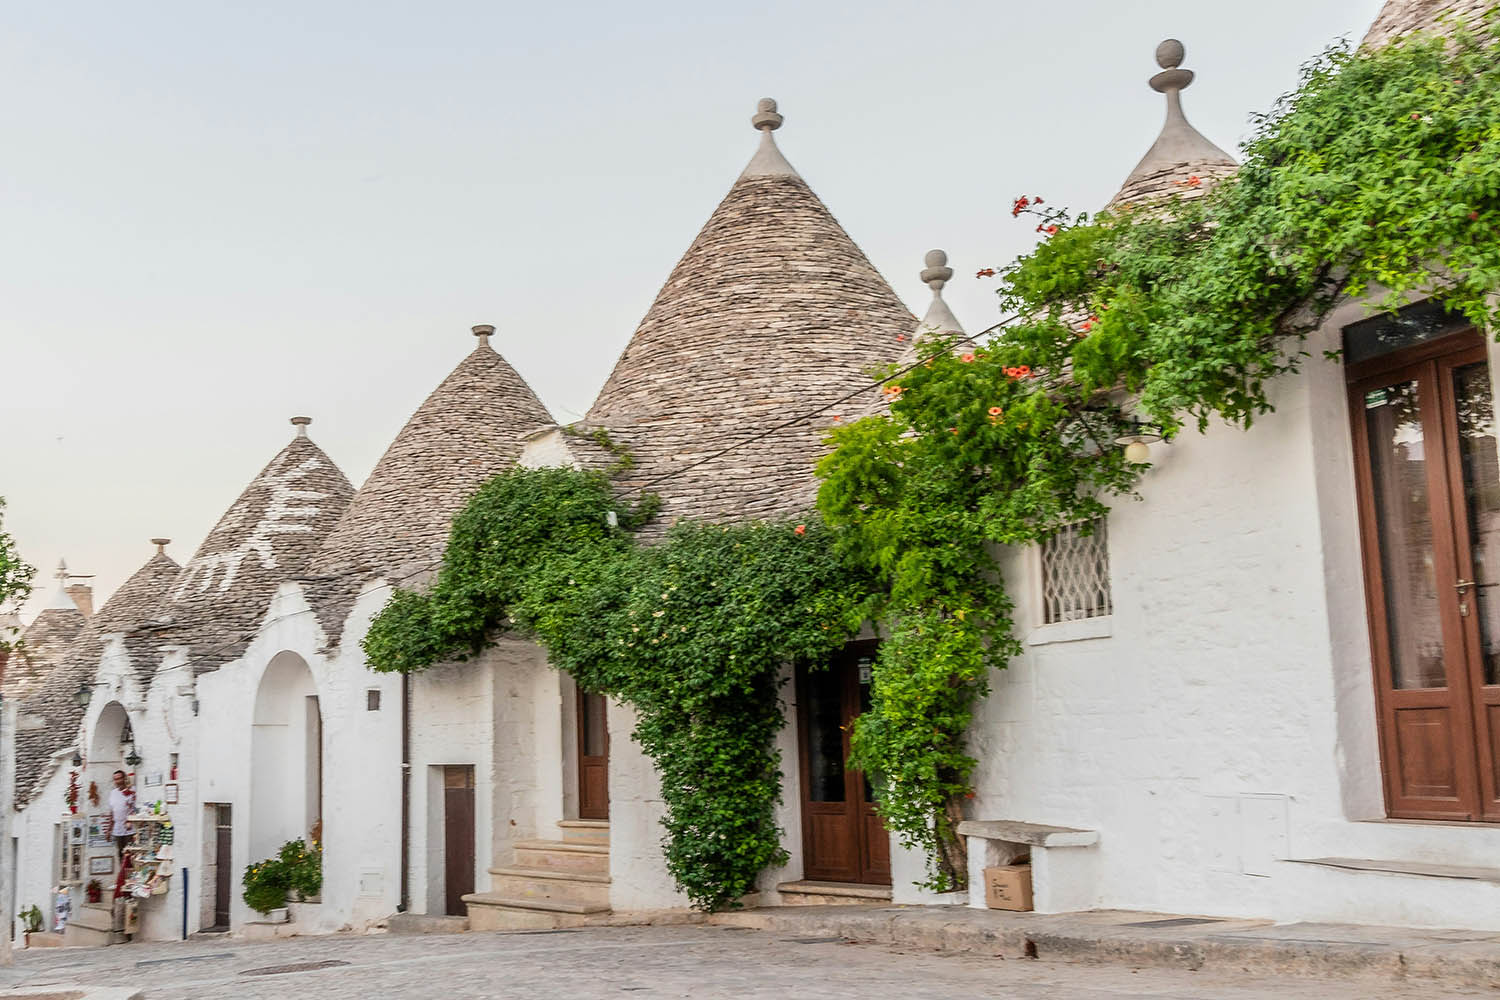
column 218, row 216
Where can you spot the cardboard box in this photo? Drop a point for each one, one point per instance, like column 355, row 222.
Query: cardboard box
column 1008, row 887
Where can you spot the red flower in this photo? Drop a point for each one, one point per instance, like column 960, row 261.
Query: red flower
column 966, row 358
column 837, row 418
column 1473, row 216
column 995, row 411
column 1024, row 371
column 953, row 430
column 1194, row 180
column 985, row 272
column 1037, row 200
column 900, row 336
column 800, row 529
column 1086, row 327
column 1051, row 230
column 1416, row 116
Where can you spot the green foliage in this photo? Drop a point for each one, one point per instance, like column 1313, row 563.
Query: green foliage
column 1381, row 173
column 694, row 633
column 295, row 868
column 15, row 577
column 31, row 918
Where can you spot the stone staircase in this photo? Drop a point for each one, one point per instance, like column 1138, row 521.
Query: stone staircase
column 551, row 883
column 91, row 926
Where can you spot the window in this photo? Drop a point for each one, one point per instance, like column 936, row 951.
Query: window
column 1075, row 573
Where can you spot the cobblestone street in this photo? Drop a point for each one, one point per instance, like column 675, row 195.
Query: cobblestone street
column 637, row 961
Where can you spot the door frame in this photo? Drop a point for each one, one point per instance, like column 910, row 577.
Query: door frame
column 1428, row 363
column 588, row 809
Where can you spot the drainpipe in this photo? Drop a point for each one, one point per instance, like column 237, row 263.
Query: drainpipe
column 405, row 903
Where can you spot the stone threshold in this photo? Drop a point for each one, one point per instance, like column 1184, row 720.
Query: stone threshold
column 1419, row 868
column 1457, row 957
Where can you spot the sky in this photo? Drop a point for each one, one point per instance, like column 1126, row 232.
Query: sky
column 214, row 217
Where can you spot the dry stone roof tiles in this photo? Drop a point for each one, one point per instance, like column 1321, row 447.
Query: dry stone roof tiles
column 128, row 612
column 772, row 312
column 467, row 431
column 1398, row 17
column 267, row 537
column 42, row 646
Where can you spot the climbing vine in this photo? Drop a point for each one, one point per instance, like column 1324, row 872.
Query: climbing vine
column 694, row 633
column 1378, row 177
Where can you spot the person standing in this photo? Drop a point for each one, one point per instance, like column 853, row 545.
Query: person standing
column 120, row 799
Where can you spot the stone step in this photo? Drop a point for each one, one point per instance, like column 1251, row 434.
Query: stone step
column 490, row 911
column 558, row 855
column 813, row 893
column 543, row 884
column 1397, row 892
column 584, row 831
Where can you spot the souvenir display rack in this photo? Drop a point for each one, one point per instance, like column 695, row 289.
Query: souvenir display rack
column 150, row 854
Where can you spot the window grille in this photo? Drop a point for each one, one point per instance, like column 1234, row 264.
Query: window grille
column 1075, row 573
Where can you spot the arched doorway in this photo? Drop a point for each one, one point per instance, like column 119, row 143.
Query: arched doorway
column 286, row 756
column 106, row 749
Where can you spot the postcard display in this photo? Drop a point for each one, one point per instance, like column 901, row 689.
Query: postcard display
column 150, row 853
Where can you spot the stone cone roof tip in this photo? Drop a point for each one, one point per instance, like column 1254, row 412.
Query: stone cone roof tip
column 938, row 319
column 1398, row 17
column 129, row 612
column 772, row 311
column 469, row 429
column 1180, row 152
column 266, row 537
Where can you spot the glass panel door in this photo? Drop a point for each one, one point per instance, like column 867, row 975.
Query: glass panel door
column 1425, row 455
column 1476, row 488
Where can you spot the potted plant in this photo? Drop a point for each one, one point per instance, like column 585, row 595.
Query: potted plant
column 266, row 885
column 31, row 922
column 93, row 892
column 303, row 866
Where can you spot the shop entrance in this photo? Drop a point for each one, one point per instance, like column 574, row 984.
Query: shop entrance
column 593, row 756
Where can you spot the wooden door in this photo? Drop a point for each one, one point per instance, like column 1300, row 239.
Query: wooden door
column 843, row 838
column 1429, row 491
column 593, row 757
column 223, row 865
column 458, row 837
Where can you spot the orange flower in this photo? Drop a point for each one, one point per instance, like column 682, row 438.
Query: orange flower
column 837, row 418
column 967, row 358
column 800, row 529
column 995, row 411
column 900, row 336
column 1024, row 371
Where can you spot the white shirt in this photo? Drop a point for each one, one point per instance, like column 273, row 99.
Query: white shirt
column 119, row 808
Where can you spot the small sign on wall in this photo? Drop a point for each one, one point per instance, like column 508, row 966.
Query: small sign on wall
column 153, row 779
column 169, row 794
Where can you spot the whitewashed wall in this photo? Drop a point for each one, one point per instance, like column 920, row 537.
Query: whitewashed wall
column 1226, row 722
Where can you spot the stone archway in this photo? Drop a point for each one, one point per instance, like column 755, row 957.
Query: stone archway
column 286, row 756
column 105, row 747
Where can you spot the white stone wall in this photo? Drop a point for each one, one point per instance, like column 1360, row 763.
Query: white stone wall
column 1226, row 722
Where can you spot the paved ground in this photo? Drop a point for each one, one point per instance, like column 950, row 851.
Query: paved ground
column 692, row 961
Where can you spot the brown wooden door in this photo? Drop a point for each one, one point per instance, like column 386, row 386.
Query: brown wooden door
column 1429, row 490
column 458, row 837
column 593, row 757
column 843, row 838
column 223, row 865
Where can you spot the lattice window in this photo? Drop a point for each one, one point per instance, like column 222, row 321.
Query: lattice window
column 1075, row 573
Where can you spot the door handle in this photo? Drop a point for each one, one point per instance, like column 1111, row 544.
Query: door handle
column 1462, row 586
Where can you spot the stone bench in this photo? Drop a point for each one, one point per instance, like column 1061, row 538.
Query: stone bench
column 1064, row 864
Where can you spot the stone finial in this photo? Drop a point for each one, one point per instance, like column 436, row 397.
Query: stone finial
column 1169, row 56
column 766, row 119
column 161, row 545
column 937, row 273
column 1179, row 144
column 484, row 332
column 62, row 570
column 939, row 318
column 301, row 424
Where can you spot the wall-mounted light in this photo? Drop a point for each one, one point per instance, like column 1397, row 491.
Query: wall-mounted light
column 1137, row 441
column 84, row 694
column 77, row 759
column 132, row 758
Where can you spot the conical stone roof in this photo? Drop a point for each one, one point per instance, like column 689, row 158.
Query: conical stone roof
column 129, row 612
column 1182, row 161
column 1398, row 17
column 468, row 430
column 772, row 312
column 266, row 537
column 45, row 640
